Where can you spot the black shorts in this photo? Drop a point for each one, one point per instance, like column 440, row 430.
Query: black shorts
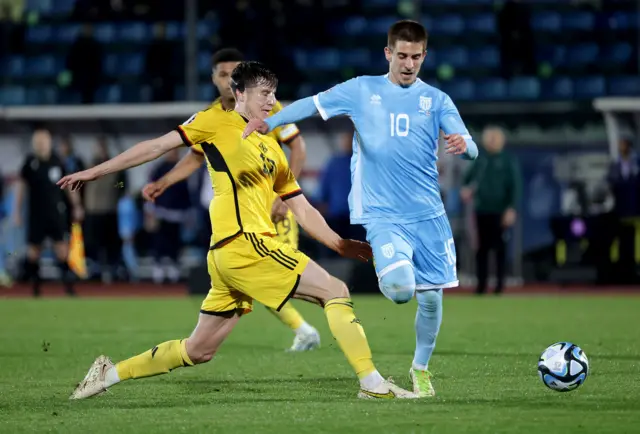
column 42, row 226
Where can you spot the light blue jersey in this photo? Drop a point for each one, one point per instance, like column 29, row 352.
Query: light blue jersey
column 393, row 168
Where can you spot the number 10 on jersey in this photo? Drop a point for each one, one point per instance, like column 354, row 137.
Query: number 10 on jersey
column 399, row 124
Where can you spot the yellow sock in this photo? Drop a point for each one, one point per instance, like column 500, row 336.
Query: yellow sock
column 347, row 330
column 161, row 359
column 289, row 316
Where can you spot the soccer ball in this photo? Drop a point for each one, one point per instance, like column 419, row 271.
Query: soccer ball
column 563, row 367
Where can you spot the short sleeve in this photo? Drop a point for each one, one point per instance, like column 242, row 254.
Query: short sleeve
column 285, row 185
column 196, row 129
column 339, row 100
column 285, row 133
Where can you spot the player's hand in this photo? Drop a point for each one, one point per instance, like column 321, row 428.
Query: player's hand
column 255, row 125
column 279, row 210
column 78, row 214
column 455, row 144
column 355, row 250
column 75, row 181
column 466, row 194
column 509, row 218
column 153, row 190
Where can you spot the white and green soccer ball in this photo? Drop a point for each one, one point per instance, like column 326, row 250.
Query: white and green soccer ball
column 563, row 367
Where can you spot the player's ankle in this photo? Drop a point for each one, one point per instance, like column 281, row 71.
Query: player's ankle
column 304, row 329
column 371, row 381
column 419, row 367
column 111, row 377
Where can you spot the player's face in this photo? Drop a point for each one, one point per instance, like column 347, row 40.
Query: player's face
column 258, row 100
column 41, row 142
column 222, row 78
column 405, row 60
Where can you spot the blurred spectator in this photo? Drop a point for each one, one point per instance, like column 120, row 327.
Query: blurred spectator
column 335, row 185
column 159, row 57
column 624, row 179
column 101, row 203
column 493, row 183
column 46, row 209
column 5, row 279
column 128, row 225
column 85, row 64
column 169, row 211
column 72, row 163
column 516, row 39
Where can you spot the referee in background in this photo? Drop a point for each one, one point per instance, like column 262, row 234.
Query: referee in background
column 494, row 185
column 46, row 209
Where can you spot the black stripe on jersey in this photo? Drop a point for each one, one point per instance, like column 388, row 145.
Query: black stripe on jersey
column 284, row 258
column 291, row 195
column 291, row 294
column 184, row 137
column 290, row 139
column 216, row 160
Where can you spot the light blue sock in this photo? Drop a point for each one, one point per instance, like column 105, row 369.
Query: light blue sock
column 130, row 259
column 428, row 319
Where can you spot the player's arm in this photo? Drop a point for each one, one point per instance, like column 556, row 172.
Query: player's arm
column 21, row 186
column 310, row 218
column 189, row 164
column 339, row 100
column 459, row 141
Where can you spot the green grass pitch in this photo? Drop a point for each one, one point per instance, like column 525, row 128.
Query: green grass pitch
column 484, row 366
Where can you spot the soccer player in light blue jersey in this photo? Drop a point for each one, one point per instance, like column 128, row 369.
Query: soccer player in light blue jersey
column 395, row 192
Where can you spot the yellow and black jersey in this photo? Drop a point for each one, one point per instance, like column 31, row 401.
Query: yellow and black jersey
column 284, row 134
column 244, row 173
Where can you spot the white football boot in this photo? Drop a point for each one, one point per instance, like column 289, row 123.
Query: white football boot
column 94, row 382
column 305, row 341
column 386, row 390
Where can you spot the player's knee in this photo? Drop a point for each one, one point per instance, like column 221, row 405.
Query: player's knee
column 429, row 301
column 399, row 285
column 338, row 289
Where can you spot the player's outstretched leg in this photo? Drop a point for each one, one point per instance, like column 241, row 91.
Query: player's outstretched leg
column 318, row 286
column 198, row 348
column 307, row 337
column 428, row 320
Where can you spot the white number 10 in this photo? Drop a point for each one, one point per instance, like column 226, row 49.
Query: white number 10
column 396, row 129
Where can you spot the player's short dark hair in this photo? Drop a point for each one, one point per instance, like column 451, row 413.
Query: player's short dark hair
column 251, row 74
column 226, row 55
column 408, row 31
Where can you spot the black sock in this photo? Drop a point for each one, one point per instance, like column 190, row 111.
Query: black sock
column 67, row 279
column 32, row 271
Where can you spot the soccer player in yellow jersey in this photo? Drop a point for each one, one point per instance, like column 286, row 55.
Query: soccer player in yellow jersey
column 223, row 63
column 245, row 260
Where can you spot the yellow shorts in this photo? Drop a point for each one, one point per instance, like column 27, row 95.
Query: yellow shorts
column 288, row 231
column 252, row 266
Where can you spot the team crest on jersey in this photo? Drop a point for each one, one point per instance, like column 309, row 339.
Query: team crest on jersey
column 388, row 251
column 425, row 105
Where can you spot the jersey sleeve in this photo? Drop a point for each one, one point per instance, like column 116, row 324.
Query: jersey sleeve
column 339, row 100
column 450, row 120
column 285, row 184
column 286, row 133
column 196, row 129
column 26, row 169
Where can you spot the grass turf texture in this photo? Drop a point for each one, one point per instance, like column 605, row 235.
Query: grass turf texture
column 484, row 366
